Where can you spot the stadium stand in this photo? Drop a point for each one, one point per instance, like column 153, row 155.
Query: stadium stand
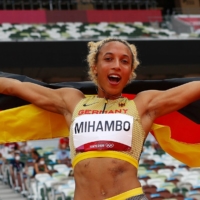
column 88, row 31
column 169, row 179
column 78, row 30
column 40, row 4
column 187, row 24
column 72, row 4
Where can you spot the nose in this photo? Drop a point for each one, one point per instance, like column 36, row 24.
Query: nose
column 116, row 65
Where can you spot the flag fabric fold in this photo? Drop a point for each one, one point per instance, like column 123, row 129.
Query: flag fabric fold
column 29, row 122
column 178, row 133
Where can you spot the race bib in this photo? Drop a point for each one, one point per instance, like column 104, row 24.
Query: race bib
column 103, row 132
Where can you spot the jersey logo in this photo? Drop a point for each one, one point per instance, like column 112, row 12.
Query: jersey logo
column 121, row 104
column 89, row 104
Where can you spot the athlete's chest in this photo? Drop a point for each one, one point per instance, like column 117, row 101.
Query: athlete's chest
column 101, row 106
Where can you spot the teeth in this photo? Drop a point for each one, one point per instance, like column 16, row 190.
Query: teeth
column 114, row 76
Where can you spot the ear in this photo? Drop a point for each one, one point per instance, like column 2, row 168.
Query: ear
column 94, row 68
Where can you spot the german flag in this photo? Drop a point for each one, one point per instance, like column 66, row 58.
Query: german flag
column 178, row 133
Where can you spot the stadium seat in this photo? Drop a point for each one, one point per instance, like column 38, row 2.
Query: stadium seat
column 158, row 176
column 195, row 169
column 61, row 168
column 181, row 170
column 59, row 176
column 193, row 194
column 156, row 196
column 142, row 171
column 155, row 181
column 38, row 187
column 184, row 186
column 168, row 186
column 166, row 172
column 176, row 176
column 164, row 192
column 142, row 182
column 144, row 177
column 149, row 188
column 172, row 180
column 67, row 190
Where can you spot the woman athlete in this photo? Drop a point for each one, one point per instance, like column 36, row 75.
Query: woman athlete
column 107, row 131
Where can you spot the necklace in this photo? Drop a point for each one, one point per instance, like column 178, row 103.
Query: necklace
column 112, row 96
column 110, row 102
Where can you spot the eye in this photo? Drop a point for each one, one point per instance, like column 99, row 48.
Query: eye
column 125, row 61
column 108, row 58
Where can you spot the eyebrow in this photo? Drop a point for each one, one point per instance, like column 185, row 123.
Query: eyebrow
column 113, row 53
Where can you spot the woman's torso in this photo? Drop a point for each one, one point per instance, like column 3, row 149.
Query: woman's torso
column 102, row 177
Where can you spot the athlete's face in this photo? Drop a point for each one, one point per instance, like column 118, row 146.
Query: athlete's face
column 113, row 68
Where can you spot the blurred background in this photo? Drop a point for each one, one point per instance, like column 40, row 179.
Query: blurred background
column 47, row 40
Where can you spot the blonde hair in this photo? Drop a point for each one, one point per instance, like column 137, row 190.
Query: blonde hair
column 94, row 49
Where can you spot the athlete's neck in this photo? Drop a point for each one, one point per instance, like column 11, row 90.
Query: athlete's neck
column 103, row 94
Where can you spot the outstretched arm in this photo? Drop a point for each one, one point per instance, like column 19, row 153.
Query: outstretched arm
column 59, row 101
column 159, row 103
column 152, row 104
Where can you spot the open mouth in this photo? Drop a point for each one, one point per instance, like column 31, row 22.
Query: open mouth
column 114, row 78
